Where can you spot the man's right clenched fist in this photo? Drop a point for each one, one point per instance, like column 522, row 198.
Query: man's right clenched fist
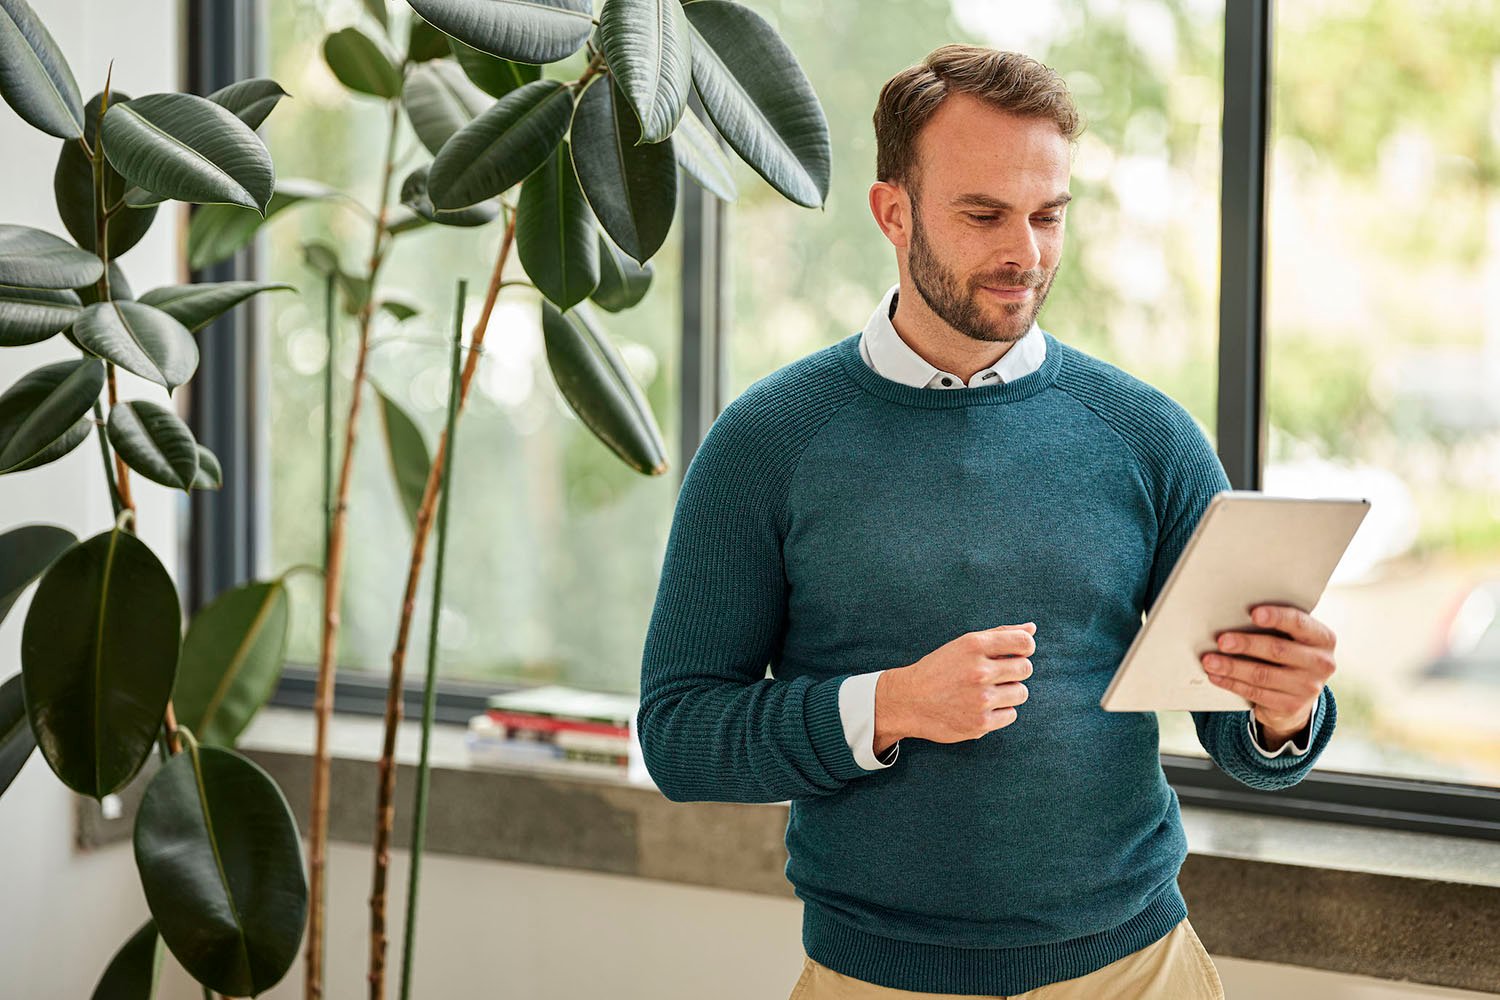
column 959, row 691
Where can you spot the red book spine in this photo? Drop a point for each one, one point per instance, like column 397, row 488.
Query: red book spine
column 549, row 724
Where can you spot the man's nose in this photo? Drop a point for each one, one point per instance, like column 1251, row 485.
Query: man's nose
column 1020, row 249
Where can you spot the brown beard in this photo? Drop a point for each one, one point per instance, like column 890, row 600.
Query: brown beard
column 958, row 306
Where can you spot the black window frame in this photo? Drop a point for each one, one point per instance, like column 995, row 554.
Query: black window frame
column 225, row 541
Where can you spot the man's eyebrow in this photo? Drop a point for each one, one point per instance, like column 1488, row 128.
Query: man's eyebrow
column 1005, row 206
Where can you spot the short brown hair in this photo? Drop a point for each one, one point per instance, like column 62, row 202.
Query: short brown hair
column 1008, row 81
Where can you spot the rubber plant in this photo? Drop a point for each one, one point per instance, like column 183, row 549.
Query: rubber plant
column 582, row 176
column 107, row 672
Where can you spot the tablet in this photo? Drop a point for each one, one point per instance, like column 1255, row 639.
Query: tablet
column 1247, row 549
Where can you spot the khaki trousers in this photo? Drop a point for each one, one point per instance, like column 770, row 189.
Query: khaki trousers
column 1176, row 967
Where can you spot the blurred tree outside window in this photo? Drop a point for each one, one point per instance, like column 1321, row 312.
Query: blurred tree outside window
column 555, row 545
column 1383, row 361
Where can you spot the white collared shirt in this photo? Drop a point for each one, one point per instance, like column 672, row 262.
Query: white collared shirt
column 888, row 355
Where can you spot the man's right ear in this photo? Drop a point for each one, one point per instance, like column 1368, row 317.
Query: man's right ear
column 891, row 207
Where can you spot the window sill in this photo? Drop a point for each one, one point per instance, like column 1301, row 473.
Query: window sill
column 1387, row 903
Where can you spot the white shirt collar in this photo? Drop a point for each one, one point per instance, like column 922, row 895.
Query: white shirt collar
column 884, row 351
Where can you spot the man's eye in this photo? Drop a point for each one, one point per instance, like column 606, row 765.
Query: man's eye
column 1051, row 220
column 979, row 218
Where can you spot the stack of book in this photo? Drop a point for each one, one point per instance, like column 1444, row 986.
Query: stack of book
column 558, row 728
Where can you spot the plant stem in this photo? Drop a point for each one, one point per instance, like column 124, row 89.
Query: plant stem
column 329, row 330
column 122, row 472
column 385, row 809
column 596, row 65
column 172, row 733
column 109, row 476
column 332, row 579
column 429, row 702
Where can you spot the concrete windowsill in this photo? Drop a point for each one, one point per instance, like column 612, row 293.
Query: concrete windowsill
column 1333, row 896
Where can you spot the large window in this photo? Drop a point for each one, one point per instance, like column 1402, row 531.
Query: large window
column 554, row 544
column 1383, row 366
column 1378, row 347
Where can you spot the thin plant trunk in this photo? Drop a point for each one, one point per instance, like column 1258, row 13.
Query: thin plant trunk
column 385, row 811
column 332, row 581
column 429, row 700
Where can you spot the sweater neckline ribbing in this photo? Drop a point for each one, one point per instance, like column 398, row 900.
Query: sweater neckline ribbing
column 876, row 384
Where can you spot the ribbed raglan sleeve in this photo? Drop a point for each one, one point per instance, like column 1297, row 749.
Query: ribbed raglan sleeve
column 1190, row 474
column 712, row 725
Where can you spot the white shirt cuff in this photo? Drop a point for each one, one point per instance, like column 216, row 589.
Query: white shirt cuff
column 1250, row 725
column 857, row 710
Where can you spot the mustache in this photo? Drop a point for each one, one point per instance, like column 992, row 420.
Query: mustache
column 1015, row 279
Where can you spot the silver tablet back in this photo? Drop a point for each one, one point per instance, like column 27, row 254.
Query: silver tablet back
column 1248, row 549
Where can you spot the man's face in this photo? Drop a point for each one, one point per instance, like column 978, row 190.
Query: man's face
column 986, row 226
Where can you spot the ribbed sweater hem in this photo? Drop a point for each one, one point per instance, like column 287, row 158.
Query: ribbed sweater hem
column 933, row 968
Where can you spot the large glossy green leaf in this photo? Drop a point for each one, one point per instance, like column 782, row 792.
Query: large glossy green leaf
column 555, row 232
column 119, row 287
column 425, row 42
column 221, row 865
column 217, row 231
column 196, row 306
column 502, row 146
column 73, row 190
column 491, row 74
column 119, row 290
column 407, row 452
column 528, row 31
column 16, row 740
column 593, row 378
column 231, row 659
column 251, row 101
column 703, row 158
column 24, row 553
column 154, row 442
column 34, row 77
column 646, row 43
column 141, row 339
column 631, row 188
column 759, row 99
column 360, row 64
column 44, row 415
column 189, row 148
column 210, row 476
column 622, row 282
column 414, row 196
column 32, row 258
column 98, row 652
column 28, row 315
column 133, row 972
column 440, row 100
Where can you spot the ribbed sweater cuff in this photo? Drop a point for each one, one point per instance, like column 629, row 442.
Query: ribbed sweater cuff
column 825, row 727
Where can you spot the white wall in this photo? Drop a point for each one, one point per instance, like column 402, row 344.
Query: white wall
column 510, row 929
column 68, row 912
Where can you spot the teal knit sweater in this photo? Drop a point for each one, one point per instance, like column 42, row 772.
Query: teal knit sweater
column 834, row 522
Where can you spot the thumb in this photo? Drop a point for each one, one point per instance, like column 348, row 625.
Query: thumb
column 1028, row 627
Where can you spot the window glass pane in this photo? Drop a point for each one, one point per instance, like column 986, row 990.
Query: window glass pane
column 1138, row 282
column 1384, row 361
column 554, row 543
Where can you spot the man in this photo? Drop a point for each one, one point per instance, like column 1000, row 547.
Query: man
column 870, row 520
